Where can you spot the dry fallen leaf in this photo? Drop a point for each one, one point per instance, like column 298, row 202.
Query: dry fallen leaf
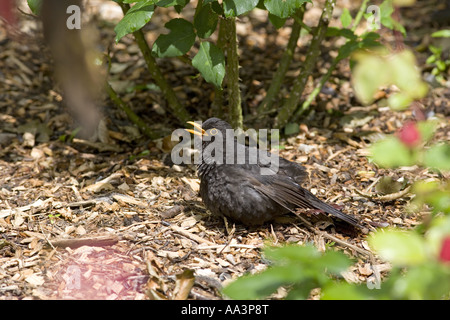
column 184, row 283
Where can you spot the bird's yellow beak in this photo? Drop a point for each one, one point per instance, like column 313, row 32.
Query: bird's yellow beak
column 199, row 132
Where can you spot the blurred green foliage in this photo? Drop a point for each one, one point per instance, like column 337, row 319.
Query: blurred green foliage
column 298, row 268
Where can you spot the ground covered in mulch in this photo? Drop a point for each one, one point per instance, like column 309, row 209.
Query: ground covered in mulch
column 79, row 222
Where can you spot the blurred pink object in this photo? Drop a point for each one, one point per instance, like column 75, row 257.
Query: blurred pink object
column 7, row 11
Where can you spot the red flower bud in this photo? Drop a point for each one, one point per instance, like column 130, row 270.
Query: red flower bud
column 444, row 255
column 409, row 134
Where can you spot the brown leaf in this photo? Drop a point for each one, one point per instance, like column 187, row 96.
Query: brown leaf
column 184, row 283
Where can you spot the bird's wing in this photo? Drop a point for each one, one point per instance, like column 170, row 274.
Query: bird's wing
column 293, row 170
column 273, row 164
column 290, row 195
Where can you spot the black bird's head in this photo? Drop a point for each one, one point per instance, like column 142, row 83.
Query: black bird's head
column 210, row 128
column 209, row 131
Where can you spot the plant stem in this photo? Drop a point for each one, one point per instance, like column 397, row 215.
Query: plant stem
column 217, row 104
column 299, row 19
column 177, row 108
column 333, row 66
column 286, row 112
column 316, row 91
column 360, row 14
column 232, row 71
column 130, row 113
column 285, row 62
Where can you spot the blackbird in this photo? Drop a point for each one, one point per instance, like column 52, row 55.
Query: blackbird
column 248, row 190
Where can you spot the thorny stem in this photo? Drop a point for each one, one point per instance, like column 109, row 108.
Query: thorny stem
column 286, row 112
column 178, row 110
column 299, row 19
column 217, row 105
column 285, row 62
column 232, row 72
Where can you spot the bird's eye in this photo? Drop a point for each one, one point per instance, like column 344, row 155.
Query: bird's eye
column 213, row 131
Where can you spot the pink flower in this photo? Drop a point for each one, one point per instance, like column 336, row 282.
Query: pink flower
column 409, row 134
column 444, row 255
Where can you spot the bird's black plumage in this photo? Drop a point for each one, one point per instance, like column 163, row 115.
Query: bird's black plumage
column 241, row 192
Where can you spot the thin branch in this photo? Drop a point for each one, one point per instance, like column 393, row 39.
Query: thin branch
column 283, row 67
column 312, row 96
column 177, row 108
column 359, row 15
column 130, row 113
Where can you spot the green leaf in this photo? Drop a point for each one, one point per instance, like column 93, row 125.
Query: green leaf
column 431, row 59
column 406, row 76
column 345, row 291
column 347, row 33
column 399, row 247
column 35, row 6
column 373, row 71
column 234, row 8
column 391, row 153
column 285, row 8
column 135, row 19
column 427, row 129
column 346, row 18
column 217, row 8
column 386, row 10
column 438, row 156
column 276, row 21
column 441, row 65
column 179, row 7
column 292, row 253
column 399, row 101
column 441, row 34
column 171, row 3
column 210, row 61
column 369, row 74
column 435, row 50
column 332, row 32
column 263, row 284
column 334, row 262
column 177, row 42
column 205, row 22
column 301, row 268
column 370, row 39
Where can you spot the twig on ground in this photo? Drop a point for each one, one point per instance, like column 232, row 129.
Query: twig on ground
column 97, row 241
column 191, row 235
column 325, row 234
column 386, row 197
